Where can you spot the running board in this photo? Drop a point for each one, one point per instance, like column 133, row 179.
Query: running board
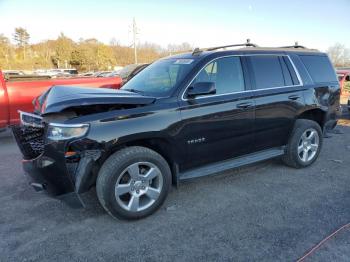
column 218, row 167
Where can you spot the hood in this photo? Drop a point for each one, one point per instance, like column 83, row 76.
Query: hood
column 59, row 98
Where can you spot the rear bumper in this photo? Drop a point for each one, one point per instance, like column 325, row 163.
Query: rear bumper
column 332, row 117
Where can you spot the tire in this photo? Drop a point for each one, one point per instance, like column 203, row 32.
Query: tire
column 301, row 150
column 133, row 183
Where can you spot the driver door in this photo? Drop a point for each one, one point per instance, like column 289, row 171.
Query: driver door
column 218, row 126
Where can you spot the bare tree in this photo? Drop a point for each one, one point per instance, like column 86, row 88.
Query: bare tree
column 85, row 54
column 114, row 42
column 5, row 51
column 339, row 54
column 21, row 38
column 175, row 48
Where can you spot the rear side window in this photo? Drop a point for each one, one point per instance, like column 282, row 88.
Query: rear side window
column 268, row 71
column 226, row 73
column 319, row 68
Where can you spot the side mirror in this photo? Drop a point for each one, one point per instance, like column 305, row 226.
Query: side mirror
column 201, row 88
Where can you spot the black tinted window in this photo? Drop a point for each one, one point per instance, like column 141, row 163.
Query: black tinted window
column 226, row 73
column 268, row 71
column 319, row 68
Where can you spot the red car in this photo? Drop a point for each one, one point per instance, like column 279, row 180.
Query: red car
column 19, row 95
column 344, row 79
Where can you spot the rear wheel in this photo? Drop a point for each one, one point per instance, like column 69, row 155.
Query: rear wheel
column 304, row 144
column 133, row 183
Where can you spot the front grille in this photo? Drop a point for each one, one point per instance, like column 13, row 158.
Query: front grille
column 30, row 140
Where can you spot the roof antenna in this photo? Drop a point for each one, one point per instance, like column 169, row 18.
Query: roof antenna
column 196, row 51
column 248, row 43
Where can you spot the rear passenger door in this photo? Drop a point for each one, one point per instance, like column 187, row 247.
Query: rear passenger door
column 278, row 96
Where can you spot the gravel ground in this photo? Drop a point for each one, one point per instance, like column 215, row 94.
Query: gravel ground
column 265, row 212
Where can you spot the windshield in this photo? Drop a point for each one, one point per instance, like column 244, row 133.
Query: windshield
column 160, row 78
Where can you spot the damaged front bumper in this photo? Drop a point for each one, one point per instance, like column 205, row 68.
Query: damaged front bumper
column 51, row 170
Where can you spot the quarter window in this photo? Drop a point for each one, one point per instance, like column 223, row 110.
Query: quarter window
column 319, row 68
column 226, row 73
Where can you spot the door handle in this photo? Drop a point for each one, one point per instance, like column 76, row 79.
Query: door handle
column 293, row 97
column 245, row 105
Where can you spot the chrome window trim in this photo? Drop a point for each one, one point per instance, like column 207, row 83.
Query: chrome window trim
column 296, row 71
column 244, row 91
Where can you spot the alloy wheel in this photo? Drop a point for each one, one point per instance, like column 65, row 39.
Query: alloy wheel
column 308, row 145
column 139, row 186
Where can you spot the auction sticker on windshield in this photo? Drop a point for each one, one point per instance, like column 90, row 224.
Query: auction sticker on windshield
column 183, row 61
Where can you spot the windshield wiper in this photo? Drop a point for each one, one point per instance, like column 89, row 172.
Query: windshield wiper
column 134, row 91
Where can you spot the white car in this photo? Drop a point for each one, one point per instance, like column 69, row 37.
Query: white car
column 56, row 72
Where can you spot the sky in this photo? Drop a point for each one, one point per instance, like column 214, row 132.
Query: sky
column 202, row 23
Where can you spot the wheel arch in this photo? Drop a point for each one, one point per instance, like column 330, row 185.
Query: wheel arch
column 316, row 114
column 168, row 150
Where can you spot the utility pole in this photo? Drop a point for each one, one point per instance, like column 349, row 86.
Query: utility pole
column 134, row 32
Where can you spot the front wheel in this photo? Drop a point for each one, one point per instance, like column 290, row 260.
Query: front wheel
column 304, row 144
column 133, row 183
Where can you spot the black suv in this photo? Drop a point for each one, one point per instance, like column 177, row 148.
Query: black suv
column 182, row 117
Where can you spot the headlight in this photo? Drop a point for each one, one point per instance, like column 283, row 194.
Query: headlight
column 64, row 132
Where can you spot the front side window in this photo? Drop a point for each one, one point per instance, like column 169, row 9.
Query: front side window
column 226, row 73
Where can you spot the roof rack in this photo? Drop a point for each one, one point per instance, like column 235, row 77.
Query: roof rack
column 296, row 45
column 197, row 51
